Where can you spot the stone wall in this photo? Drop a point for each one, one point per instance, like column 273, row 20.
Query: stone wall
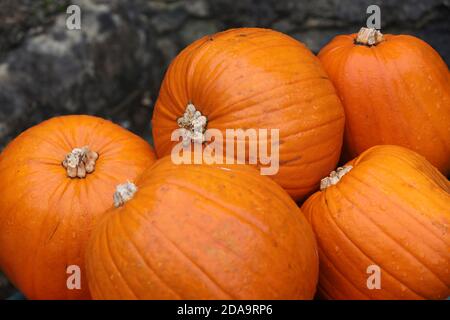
column 114, row 65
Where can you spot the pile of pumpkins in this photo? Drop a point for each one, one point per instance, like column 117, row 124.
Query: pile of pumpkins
column 81, row 191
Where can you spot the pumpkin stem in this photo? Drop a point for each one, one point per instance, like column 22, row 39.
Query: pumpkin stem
column 369, row 37
column 334, row 177
column 124, row 192
column 194, row 125
column 79, row 162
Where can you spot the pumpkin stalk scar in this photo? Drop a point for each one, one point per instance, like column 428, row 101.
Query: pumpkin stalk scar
column 369, row 37
column 334, row 177
column 124, row 192
column 79, row 162
column 193, row 124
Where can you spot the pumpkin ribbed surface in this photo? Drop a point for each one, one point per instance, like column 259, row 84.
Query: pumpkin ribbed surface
column 391, row 209
column 57, row 178
column 203, row 232
column 257, row 78
column 395, row 92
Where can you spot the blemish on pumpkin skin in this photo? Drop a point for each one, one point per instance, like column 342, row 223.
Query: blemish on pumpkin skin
column 54, row 231
column 443, row 227
column 164, row 189
column 284, row 161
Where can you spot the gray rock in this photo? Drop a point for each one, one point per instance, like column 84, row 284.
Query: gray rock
column 91, row 70
column 19, row 18
column 197, row 8
column 167, row 47
column 169, row 21
column 248, row 13
column 195, row 29
column 313, row 39
column 284, row 25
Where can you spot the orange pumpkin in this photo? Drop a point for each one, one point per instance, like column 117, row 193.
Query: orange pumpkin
column 395, row 90
column 57, row 179
column 252, row 78
column 382, row 227
column 202, row 232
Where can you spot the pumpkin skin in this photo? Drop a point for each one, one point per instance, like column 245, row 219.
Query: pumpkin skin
column 257, row 78
column 45, row 216
column 203, row 232
column 392, row 210
column 396, row 92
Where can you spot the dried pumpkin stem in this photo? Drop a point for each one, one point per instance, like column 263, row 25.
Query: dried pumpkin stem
column 124, row 192
column 369, row 37
column 79, row 162
column 193, row 124
column 334, row 177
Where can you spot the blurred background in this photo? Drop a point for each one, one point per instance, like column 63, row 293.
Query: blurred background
column 113, row 66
